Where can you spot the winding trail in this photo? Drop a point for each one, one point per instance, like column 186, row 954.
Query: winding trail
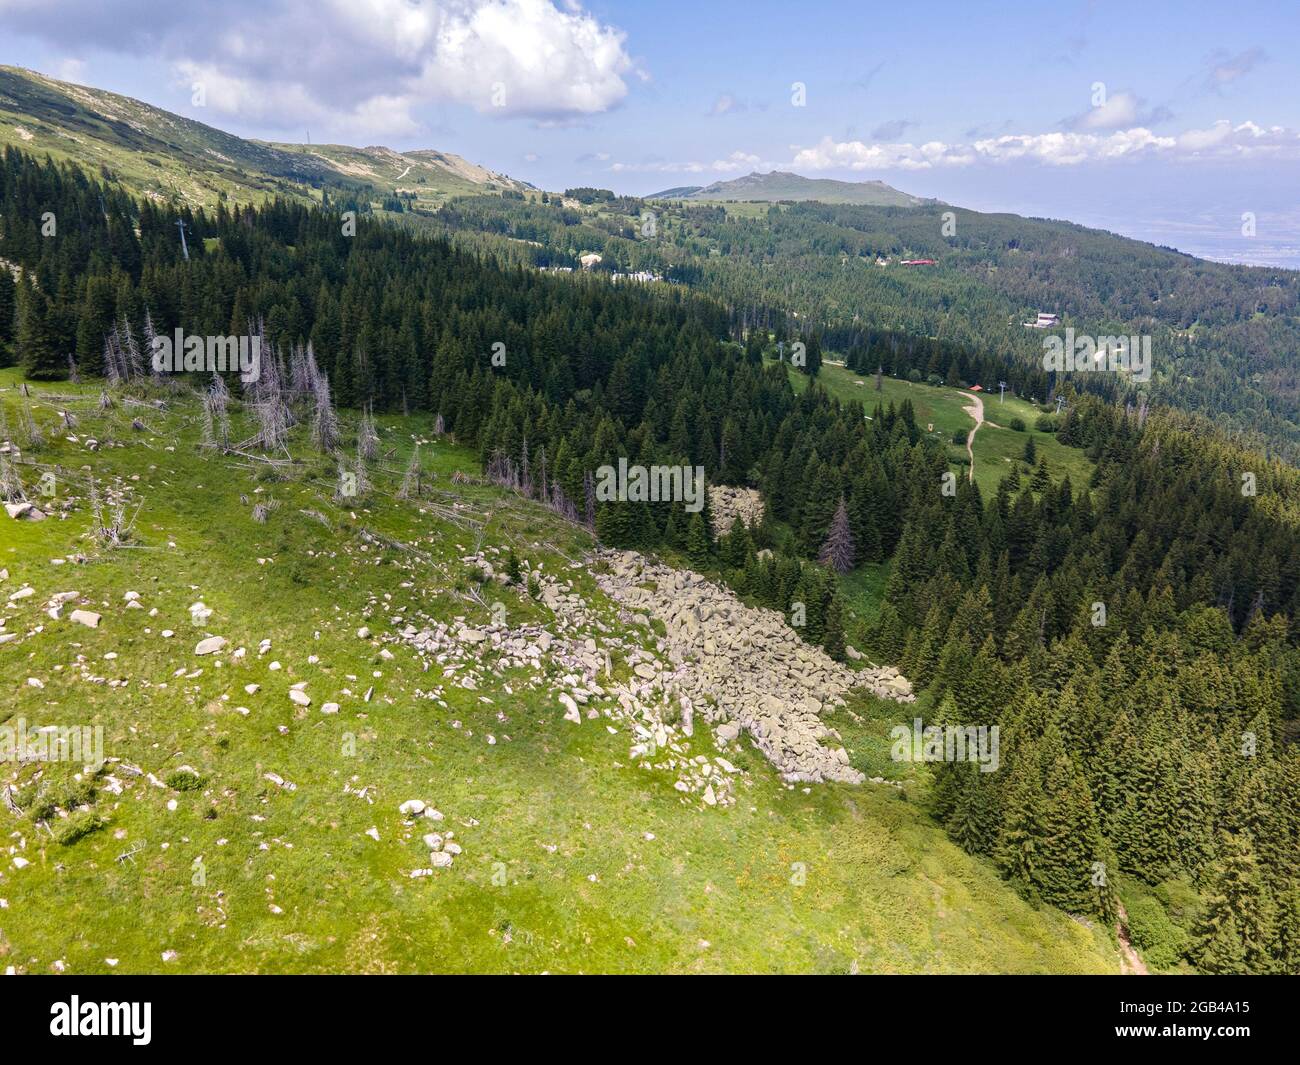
column 1131, row 963
column 976, row 410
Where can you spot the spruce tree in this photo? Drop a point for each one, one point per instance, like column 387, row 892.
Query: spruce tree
column 38, row 355
column 697, row 543
column 1041, row 480
column 833, row 633
column 1236, row 928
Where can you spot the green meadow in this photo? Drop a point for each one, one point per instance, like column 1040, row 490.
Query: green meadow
column 941, row 411
column 281, row 847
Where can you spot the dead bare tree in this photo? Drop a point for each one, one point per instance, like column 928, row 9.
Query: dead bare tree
column 362, row 472
column 131, row 352
column 32, row 431
column 11, row 485
column 324, row 426
column 110, row 525
column 216, row 420
column 150, row 335
column 261, row 511
column 112, row 366
column 367, row 437
column 269, row 408
column 300, row 376
column 411, row 478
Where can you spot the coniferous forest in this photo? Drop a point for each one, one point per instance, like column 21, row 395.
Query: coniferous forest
column 1136, row 638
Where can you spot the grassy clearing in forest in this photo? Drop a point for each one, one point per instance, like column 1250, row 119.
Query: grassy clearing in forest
column 941, row 411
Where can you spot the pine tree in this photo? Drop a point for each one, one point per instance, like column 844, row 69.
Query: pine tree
column 833, row 630
column 972, row 821
column 1041, row 481
column 697, row 543
column 8, row 294
column 513, row 572
column 1019, row 839
column 1236, row 928
column 37, row 351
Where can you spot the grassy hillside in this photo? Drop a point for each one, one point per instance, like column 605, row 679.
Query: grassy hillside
column 429, row 178
column 575, row 858
column 162, row 155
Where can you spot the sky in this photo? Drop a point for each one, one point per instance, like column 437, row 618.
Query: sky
column 1177, row 123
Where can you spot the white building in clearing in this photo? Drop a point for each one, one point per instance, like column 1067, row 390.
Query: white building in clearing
column 1044, row 321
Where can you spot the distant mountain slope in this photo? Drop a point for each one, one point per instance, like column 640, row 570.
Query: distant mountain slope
column 678, row 192
column 780, row 185
column 160, row 154
column 416, row 171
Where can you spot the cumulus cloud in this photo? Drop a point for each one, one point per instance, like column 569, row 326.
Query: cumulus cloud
column 1222, row 140
column 1122, row 110
column 360, row 64
column 829, row 154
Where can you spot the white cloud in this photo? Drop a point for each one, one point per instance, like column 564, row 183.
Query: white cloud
column 360, row 65
column 1221, row 140
column 1122, row 110
column 1071, row 149
column 829, row 154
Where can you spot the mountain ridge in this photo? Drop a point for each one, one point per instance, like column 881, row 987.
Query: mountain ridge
column 160, row 154
column 779, row 185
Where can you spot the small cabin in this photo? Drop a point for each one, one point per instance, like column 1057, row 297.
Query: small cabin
column 1044, row 320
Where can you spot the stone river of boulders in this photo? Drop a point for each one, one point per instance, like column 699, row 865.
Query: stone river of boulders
column 741, row 670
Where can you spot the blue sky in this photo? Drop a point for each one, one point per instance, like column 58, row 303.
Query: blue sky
column 1167, row 121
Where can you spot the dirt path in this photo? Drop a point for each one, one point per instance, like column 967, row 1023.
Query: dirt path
column 1130, row 962
column 976, row 410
